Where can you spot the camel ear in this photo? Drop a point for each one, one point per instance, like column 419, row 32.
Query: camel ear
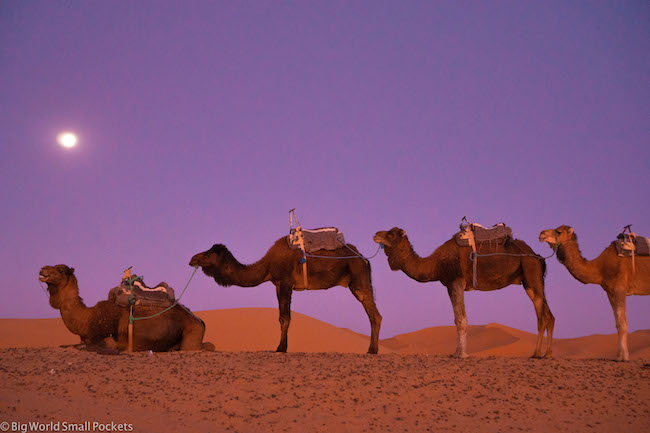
column 570, row 230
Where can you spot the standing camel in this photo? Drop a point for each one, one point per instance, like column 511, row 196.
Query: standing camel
column 612, row 272
column 281, row 265
column 451, row 265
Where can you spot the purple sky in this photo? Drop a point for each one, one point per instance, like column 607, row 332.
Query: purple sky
column 205, row 122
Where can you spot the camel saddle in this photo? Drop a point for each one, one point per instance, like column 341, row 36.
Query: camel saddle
column 476, row 233
column 325, row 238
column 630, row 244
column 161, row 295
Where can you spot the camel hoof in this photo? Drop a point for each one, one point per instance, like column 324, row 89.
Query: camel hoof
column 372, row 351
column 548, row 356
column 460, row 355
column 281, row 350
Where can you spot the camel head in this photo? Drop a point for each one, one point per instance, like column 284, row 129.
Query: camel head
column 211, row 257
column 389, row 239
column 213, row 262
column 394, row 242
column 557, row 236
column 56, row 277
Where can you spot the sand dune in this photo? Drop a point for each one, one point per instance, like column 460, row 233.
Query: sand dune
column 253, row 329
column 35, row 333
column 257, row 329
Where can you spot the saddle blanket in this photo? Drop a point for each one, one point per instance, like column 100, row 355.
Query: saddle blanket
column 625, row 244
column 326, row 238
column 161, row 295
column 498, row 233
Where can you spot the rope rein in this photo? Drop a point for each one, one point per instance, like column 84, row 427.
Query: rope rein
column 356, row 254
column 473, row 256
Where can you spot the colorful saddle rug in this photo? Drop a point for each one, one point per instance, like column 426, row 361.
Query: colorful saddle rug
column 326, row 238
column 160, row 295
column 628, row 244
column 477, row 234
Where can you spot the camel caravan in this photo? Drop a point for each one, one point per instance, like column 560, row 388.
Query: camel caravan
column 139, row 318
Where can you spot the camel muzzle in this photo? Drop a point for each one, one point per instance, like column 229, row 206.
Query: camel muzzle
column 546, row 237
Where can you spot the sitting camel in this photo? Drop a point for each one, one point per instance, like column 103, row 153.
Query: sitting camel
column 281, row 265
column 105, row 325
column 451, row 265
column 613, row 273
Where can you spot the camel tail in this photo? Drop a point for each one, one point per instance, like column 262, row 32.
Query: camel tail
column 370, row 279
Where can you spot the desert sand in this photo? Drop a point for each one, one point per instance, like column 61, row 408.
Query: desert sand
column 325, row 383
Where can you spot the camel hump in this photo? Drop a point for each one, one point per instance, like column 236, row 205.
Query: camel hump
column 630, row 243
column 159, row 295
column 324, row 238
column 498, row 233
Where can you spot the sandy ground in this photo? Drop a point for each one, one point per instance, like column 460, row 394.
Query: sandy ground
column 249, row 389
column 298, row 392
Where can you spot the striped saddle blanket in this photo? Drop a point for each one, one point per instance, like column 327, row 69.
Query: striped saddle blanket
column 498, row 234
column 626, row 243
column 160, row 295
column 325, row 238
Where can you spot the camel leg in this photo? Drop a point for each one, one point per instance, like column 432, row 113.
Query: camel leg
column 122, row 332
column 284, row 304
column 366, row 297
column 618, row 302
column 550, row 324
column 538, row 303
column 193, row 335
column 457, row 297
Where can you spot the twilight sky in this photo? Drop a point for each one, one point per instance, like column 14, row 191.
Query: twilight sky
column 205, row 122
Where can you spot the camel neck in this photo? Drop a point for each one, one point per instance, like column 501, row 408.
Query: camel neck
column 234, row 273
column 585, row 271
column 408, row 261
column 74, row 312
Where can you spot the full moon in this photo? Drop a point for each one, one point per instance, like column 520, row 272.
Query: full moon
column 67, row 139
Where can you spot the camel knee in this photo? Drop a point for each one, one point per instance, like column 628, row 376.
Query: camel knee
column 550, row 317
column 284, row 320
column 461, row 324
column 193, row 337
column 621, row 322
column 550, row 323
